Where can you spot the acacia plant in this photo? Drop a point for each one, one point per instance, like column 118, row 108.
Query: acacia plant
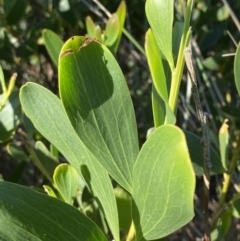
column 93, row 125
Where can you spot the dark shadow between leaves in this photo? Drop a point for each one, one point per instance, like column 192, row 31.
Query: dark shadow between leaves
column 196, row 154
column 86, row 175
column 96, row 80
column 136, row 219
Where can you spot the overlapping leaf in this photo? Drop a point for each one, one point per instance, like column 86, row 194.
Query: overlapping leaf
column 160, row 104
column 48, row 116
column 98, row 104
column 163, row 184
column 160, row 16
column 28, row 215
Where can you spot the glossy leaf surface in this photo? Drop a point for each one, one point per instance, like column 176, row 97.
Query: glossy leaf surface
column 163, row 185
column 97, row 101
column 48, row 116
column 28, row 215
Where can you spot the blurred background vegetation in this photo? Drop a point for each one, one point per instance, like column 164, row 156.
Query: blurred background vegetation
column 22, row 51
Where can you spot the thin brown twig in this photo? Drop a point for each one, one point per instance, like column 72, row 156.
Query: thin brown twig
column 232, row 38
column 203, row 118
column 234, row 18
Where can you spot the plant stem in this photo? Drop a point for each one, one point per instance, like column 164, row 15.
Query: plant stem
column 218, row 214
column 234, row 18
column 9, row 90
column 206, row 176
column 2, row 81
column 203, row 118
column 227, row 181
column 131, row 233
column 177, row 73
column 134, row 42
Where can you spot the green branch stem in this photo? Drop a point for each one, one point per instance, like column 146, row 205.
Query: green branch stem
column 203, row 118
column 177, row 73
column 8, row 91
column 224, row 207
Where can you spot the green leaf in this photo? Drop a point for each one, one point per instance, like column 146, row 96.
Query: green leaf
column 236, row 207
column 51, row 121
column 159, row 81
column 98, row 33
column 237, row 68
column 90, row 26
column 28, row 215
column 226, row 219
column 160, row 16
column 10, row 116
column 53, row 45
column 223, row 13
column 163, row 184
column 211, row 63
column 98, row 104
column 196, row 153
column 223, row 143
column 112, row 30
column 221, row 230
column 49, row 191
column 67, row 181
column 2, row 81
column 121, row 13
column 17, row 152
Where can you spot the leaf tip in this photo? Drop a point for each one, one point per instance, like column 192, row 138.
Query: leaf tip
column 87, row 41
